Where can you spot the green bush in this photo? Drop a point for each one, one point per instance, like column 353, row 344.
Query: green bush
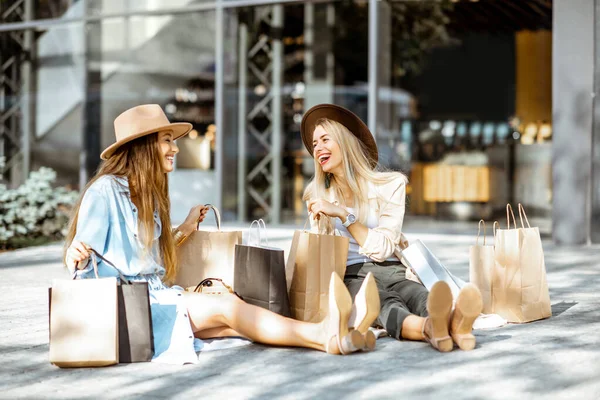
column 35, row 212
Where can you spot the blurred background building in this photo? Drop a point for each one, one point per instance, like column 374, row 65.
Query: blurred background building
column 479, row 102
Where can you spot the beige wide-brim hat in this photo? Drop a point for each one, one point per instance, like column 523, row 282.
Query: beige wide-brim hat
column 141, row 121
column 344, row 117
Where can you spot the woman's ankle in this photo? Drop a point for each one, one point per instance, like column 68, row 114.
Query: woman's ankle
column 413, row 327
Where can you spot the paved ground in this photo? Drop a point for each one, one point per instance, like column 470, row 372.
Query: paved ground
column 554, row 359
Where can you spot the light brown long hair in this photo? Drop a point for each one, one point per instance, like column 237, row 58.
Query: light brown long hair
column 358, row 171
column 139, row 161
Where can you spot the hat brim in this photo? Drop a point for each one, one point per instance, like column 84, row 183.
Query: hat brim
column 179, row 129
column 344, row 117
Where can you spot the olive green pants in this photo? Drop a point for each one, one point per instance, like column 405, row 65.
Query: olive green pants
column 399, row 296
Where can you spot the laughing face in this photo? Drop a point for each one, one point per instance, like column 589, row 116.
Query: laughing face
column 168, row 149
column 326, row 151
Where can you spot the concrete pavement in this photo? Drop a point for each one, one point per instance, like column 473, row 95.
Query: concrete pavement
column 556, row 358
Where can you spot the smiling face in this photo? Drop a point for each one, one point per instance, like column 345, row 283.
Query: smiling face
column 327, row 151
column 168, row 149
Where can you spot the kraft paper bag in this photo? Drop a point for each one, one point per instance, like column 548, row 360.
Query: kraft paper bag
column 312, row 259
column 207, row 254
column 260, row 273
column 83, row 318
column 519, row 285
column 481, row 265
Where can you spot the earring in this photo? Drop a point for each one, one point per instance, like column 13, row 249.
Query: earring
column 327, row 181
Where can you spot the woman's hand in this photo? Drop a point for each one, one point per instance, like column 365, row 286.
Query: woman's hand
column 196, row 216
column 77, row 255
column 318, row 207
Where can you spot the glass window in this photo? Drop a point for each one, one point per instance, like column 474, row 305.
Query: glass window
column 107, row 7
column 51, row 9
column 52, row 118
column 316, row 67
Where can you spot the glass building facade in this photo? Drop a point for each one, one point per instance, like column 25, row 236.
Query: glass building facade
column 458, row 94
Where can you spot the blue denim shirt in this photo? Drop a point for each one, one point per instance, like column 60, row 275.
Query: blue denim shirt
column 108, row 223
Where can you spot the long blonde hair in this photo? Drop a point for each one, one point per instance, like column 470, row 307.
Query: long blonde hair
column 139, row 161
column 358, row 171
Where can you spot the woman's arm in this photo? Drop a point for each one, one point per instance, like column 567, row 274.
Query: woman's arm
column 92, row 229
column 196, row 216
column 322, row 207
column 381, row 241
column 378, row 243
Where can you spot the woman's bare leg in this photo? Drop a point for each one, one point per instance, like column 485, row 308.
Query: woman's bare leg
column 220, row 332
column 208, row 311
column 211, row 313
column 412, row 328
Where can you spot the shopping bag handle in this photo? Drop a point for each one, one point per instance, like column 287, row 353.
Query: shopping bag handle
column 479, row 231
column 307, row 221
column 94, row 264
column 509, row 208
column 93, row 256
column 260, row 224
column 209, row 282
column 496, row 223
column 521, row 215
column 319, row 221
column 217, row 217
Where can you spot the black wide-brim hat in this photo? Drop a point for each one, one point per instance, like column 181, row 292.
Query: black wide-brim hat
column 343, row 116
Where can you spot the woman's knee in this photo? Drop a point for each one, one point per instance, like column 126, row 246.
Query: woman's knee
column 229, row 305
column 218, row 306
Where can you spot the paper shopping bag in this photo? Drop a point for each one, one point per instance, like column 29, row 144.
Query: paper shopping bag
column 84, row 322
column 312, row 259
column 260, row 274
column 481, row 264
column 519, row 285
column 207, row 254
column 136, row 341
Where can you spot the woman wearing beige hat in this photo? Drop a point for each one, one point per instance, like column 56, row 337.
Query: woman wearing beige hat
column 367, row 206
column 123, row 214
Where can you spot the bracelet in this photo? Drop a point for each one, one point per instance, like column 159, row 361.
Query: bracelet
column 179, row 237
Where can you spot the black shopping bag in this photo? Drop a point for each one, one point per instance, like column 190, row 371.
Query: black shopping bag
column 259, row 276
column 136, row 341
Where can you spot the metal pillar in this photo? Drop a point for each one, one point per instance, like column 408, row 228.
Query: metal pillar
column 373, row 84
column 14, row 46
column 277, row 113
column 263, row 122
column 595, row 156
column 219, row 104
column 28, row 94
column 242, row 82
column 572, row 119
column 92, row 95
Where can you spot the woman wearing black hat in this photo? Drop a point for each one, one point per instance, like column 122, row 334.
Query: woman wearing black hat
column 367, row 206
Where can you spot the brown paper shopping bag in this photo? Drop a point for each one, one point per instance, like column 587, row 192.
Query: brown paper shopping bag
column 207, row 254
column 312, row 259
column 481, row 265
column 519, row 285
column 84, row 328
